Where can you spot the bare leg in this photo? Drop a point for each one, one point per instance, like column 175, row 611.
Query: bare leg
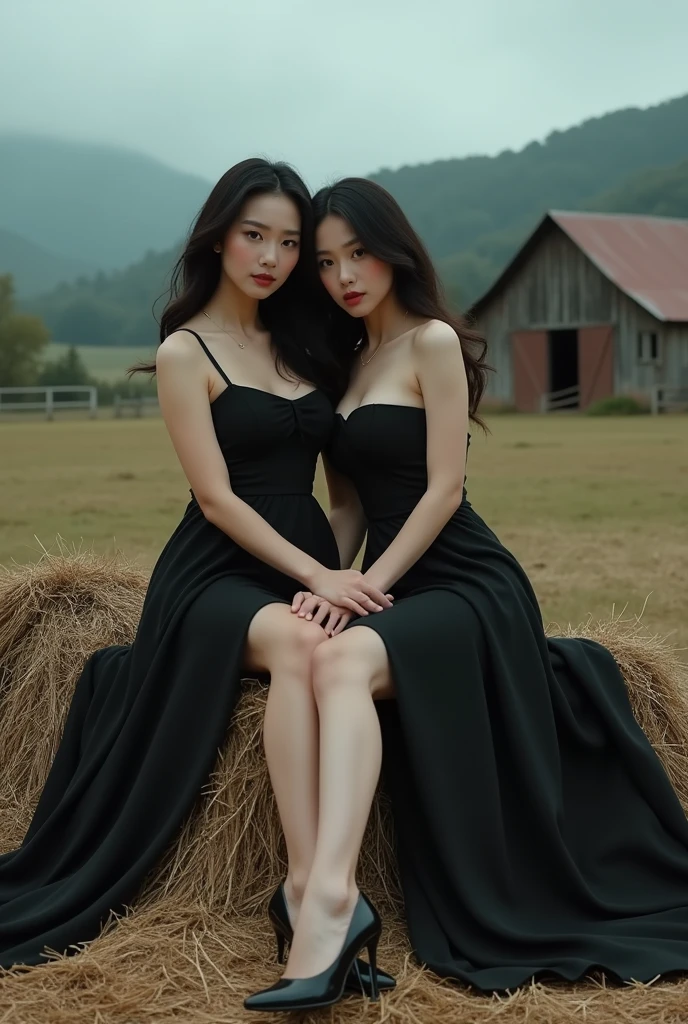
column 283, row 645
column 348, row 672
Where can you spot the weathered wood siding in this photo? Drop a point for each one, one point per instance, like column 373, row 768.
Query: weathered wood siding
column 676, row 355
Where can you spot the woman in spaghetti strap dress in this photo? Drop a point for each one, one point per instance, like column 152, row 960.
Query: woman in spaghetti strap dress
column 538, row 833
column 243, row 378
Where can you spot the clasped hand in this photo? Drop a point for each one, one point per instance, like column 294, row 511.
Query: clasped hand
column 338, row 595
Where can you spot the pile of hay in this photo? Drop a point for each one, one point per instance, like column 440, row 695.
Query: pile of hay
column 197, row 940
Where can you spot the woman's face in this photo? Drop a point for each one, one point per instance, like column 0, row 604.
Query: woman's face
column 261, row 248
column 356, row 280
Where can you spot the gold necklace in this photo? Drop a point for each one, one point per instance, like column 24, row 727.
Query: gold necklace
column 224, row 330
column 364, row 362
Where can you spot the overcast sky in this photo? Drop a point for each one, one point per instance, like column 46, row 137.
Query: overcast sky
column 335, row 87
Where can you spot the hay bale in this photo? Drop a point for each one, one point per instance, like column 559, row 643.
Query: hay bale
column 197, row 939
column 53, row 614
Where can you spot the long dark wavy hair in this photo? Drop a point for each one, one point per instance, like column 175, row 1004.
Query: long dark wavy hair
column 294, row 313
column 383, row 229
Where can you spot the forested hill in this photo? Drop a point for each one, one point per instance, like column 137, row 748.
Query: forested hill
column 109, row 309
column 103, row 206
column 453, row 203
column 472, row 213
column 662, row 192
column 659, row 192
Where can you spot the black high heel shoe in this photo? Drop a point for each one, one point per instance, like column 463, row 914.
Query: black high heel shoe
column 327, row 988
column 359, row 976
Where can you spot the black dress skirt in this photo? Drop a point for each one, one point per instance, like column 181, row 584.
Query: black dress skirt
column 538, row 833
column 147, row 719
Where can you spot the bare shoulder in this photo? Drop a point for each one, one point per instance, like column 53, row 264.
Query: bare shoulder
column 436, row 337
column 179, row 351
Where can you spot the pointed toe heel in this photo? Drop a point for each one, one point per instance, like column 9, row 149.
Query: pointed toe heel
column 328, row 987
column 357, row 982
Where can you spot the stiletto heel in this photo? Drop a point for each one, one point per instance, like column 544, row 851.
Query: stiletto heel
column 281, row 943
column 359, row 977
column 327, row 988
column 279, row 919
column 372, row 956
column 355, row 982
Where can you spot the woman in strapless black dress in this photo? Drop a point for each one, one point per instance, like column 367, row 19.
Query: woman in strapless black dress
column 248, row 413
column 538, row 834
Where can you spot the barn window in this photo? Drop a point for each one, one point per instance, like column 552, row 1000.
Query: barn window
column 649, row 348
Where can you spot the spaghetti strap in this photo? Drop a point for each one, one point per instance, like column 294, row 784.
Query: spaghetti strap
column 209, row 354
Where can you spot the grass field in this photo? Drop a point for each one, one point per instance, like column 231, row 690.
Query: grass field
column 596, row 509
column 103, row 362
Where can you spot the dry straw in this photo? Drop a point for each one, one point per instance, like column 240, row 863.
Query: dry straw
column 197, row 940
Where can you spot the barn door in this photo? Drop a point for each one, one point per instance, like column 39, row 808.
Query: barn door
column 530, row 358
column 595, row 363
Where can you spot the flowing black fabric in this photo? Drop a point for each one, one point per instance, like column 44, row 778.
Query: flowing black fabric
column 147, row 719
column 538, row 833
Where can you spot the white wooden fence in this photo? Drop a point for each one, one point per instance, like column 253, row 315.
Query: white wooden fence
column 663, row 399
column 21, row 400
column 11, row 399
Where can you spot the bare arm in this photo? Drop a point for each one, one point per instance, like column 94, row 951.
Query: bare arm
column 346, row 516
column 442, row 379
column 183, row 391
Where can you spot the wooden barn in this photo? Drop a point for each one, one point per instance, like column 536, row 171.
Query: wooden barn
column 592, row 305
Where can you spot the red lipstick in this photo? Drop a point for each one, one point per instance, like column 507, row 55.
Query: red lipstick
column 264, row 280
column 353, row 298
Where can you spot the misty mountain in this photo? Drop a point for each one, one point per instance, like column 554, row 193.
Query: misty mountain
column 102, row 206
column 34, row 268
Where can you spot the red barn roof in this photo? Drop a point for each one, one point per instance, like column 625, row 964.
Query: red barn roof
column 646, row 257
